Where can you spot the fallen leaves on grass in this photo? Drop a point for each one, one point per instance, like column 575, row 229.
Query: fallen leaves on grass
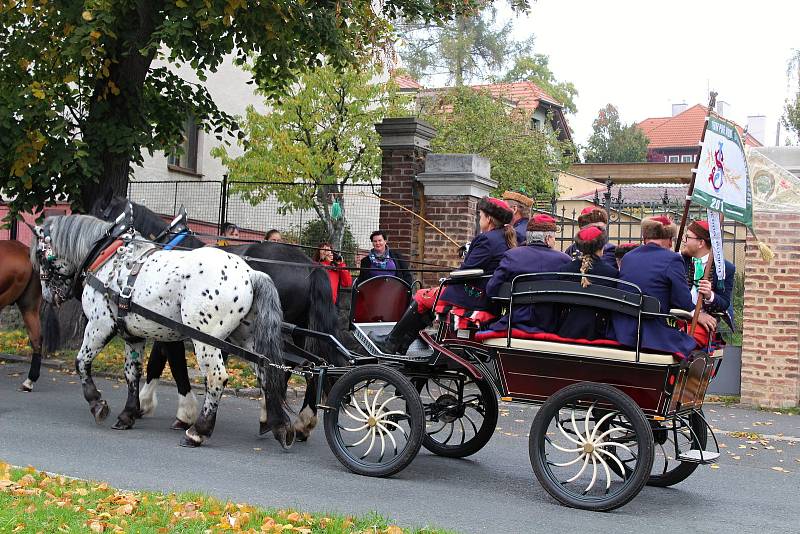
column 34, row 501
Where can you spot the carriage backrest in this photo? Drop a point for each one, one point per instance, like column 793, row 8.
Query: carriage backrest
column 382, row 298
column 565, row 288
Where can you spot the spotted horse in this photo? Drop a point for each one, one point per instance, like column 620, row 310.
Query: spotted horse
column 214, row 294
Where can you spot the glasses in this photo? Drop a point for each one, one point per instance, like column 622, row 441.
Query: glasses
column 688, row 237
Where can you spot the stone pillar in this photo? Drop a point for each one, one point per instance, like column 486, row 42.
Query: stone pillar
column 405, row 143
column 771, row 322
column 453, row 184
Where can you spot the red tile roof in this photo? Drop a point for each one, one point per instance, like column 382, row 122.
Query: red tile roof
column 682, row 130
column 525, row 95
column 404, row 81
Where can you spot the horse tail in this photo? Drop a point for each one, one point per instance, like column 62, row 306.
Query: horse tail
column 322, row 316
column 51, row 328
column 267, row 329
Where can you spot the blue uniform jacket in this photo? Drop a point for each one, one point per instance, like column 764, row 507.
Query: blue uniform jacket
column 659, row 273
column 521, row 227
column 484, row 253
column 723, row 298
column 534, row 258
column 608, row 254
column 584, row 322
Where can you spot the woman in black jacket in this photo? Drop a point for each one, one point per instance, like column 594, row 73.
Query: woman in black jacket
column 585, row 322
column 383, row 262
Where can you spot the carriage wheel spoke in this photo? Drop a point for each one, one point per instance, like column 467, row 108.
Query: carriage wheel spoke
column 450, row 434
column 622, row 469
column 607, row 470
column 599, row 425
column 594, row 474
column 353, row 429
column 391, row 437
column 463, row 431
column 583, row 468
column 371, row 443
column 398, row 427
column 471, row 422
column 438, row 430
column 586, row 421
column 565, row 464
column 375, row 399
column 565, row 434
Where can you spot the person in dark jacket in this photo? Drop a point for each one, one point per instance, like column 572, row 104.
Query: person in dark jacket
column 521, row 206
column 585, row 322
column 660, row 273
column 538, row 256
column 484, row 252
column 621, row 250
column 594, row 215
column 383, row 262
column 696, row 251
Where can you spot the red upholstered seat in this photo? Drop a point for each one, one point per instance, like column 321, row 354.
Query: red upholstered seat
column 544, row 336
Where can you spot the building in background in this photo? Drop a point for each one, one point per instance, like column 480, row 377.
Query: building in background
column 676, row 139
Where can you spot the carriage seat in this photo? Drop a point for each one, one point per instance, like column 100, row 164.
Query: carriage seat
column 565, row 289
column 606, row 349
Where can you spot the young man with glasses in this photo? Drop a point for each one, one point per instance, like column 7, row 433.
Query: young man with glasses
column 696, row 252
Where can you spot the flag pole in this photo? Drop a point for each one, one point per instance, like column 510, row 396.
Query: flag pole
column 709, row 268
column 712, row 100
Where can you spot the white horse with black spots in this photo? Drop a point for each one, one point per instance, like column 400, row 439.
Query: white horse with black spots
column 206, row 289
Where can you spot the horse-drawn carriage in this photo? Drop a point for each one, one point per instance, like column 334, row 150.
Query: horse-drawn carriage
column 606, row 411
column 611, row 420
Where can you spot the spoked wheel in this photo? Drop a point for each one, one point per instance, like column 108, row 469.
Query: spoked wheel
column 460, row 414
column 376, row 421
column 572, row 447
column 692, row 433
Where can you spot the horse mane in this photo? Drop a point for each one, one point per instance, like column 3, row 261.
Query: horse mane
column 72, row 236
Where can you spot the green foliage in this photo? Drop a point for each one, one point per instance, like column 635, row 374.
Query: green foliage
column 471, row 46
column 316, row 232
column 791, row 110
column 536, row 68
column 81, row 98
column 472, row 122
column 614, row 142
column 321, row 135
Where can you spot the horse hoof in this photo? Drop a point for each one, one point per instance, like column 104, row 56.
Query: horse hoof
column 122, row 425
column 177, row 424
column 100, row 411
column 263, row 428
column 285, row 436
column 26, row 386
column 189, row 442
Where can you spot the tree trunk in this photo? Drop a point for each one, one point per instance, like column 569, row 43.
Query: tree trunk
column 123, row 110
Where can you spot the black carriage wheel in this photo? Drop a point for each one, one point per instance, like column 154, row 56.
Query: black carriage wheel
column 571, row 448
column 692, row 434
column 376, row 421
column 458, row 421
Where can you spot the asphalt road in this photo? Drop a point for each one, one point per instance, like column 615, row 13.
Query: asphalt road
column 493, row 491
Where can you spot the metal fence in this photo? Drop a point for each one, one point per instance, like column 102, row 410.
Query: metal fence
column 259, row 206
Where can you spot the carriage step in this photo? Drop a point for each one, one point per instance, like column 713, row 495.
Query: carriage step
column 417, row 352
column 697, row 456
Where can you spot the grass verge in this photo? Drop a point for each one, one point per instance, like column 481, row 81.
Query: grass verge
column 31, row 501
column 112, row 360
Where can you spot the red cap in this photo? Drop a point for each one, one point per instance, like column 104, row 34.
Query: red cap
column 588, row 209
column 542, row 222
column 663, row 219
column 589, row 233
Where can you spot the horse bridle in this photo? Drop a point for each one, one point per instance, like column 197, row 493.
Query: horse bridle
column 74, row 282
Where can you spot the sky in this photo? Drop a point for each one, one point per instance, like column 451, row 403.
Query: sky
column 643, row 56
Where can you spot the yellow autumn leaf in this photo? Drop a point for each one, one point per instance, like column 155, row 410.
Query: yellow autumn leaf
column 87, row 16
column 94, row 34
column 393, row 529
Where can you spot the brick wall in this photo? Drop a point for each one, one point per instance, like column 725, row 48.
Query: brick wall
column 771, row 322
column 455, row 215
column 399, row 167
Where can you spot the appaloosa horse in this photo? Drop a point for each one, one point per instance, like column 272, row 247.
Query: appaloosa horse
column 305, row 295
column 20, row 285
column 206, row 289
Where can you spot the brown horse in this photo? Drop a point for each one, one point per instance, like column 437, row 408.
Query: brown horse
column 20, row 285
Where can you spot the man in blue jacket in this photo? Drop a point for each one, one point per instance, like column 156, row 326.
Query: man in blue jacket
column 521, row 208
column 538, row 256
column 696, row 251
column 660, row 273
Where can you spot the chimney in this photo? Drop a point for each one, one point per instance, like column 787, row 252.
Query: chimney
column 757, row 127
column 723, row 108
column 677, row 109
